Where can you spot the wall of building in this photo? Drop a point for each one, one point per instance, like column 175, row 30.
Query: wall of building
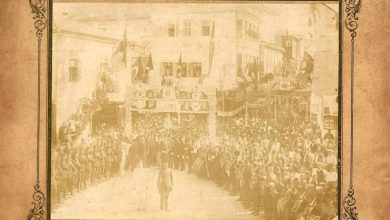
column 248, row 35
column 326, row 54
column 196, row 47
column 271, row 56
column 89, row 54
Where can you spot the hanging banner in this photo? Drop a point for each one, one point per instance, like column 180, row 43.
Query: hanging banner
column 231, row 113
column 285, row 85
column 167, row 105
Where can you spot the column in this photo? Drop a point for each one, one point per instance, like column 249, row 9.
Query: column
column 127, row 106
column 212, row 116
column 212, row 126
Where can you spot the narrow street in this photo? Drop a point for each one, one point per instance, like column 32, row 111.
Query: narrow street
column 116, row 198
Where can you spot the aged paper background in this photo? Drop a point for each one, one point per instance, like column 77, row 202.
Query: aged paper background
column 18, row 110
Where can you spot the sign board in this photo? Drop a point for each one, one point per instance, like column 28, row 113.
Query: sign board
column 329, row 122
column 167, row 105
column 285, row 85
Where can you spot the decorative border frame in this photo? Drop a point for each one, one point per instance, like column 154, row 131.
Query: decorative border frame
column 38, row 7
column 352, row 8
column 41, row 23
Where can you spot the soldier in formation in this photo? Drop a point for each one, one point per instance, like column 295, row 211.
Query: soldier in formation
column 80, row 166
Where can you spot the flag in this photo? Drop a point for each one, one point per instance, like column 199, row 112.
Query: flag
column 211, row 54
column 148, row 68
column 251, row 71
column 256, row 71
column 240, row 73
column 124, row 45
column 179, row 68
column 149, row 65
column 137, row 71
column 119, row 56
column 211, row 49
column 243, row 82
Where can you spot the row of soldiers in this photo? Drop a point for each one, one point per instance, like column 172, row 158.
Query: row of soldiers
column 77, row 167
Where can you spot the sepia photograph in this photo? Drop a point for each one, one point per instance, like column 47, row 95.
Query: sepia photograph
column 214, row 110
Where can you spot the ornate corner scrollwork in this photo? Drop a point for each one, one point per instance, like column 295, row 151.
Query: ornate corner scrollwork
column 39, row 11
column 352, row 9
column 37, row 212
column 349, row 206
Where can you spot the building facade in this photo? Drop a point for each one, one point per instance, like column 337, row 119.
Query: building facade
column 198, row 48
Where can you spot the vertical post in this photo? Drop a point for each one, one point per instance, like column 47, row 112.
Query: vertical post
column 246, row 114
column 212, row 115
column 179, row 114
column 91, row 122
column 128, row 119
column 275, row 110
column 307, row 108
column 212, row 128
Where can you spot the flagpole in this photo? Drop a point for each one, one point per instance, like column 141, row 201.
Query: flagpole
column 246, row 114
column 275, row 109
column 179, row 113
column 125, row 47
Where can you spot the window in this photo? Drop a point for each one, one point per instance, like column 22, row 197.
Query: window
column 326, row 111
column 250, row 30
column 238, row 29
column 246, row 29
column 181, row 72
column 205, row 28
column 256, row 33
column 171, row 29
column 187, row 28
column 73, row 70
column 195, row 69
column 166, row 69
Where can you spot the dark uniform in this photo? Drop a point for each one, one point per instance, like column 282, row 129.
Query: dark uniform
column 83, row 174
column 96, row 160
column 74, row 168
column 56, row 180
column 164, row 184
column 89, row 167
column 66, row 175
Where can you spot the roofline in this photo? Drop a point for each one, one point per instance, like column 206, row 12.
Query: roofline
column 91, row 36
column 273, row 46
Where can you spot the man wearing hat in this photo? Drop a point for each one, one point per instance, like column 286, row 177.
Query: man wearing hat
column 164, row 184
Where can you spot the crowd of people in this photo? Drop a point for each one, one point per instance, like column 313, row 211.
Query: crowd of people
column 287, row 172
column 158, row 137
column 72, row 128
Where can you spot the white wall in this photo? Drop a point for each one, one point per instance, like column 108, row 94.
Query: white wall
column 195, row 48
column 90, row 53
